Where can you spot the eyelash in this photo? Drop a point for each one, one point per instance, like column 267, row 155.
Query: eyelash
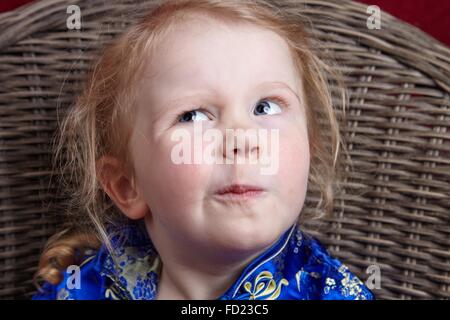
column 278, row 99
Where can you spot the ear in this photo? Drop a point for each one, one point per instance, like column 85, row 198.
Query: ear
column 121, row 187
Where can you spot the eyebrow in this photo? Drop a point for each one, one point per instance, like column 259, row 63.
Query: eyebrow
column 277, row 84
column 283, row 85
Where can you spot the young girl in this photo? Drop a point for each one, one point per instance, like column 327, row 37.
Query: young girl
column 147, row 227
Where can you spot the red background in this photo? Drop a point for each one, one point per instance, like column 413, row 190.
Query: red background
column 432, row 16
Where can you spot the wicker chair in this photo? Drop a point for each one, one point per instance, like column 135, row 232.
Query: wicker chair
column 397, row 137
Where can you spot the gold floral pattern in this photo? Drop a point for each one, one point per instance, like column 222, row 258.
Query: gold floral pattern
column 135, row 274
column 265, row 287
column 351, row 286
column 63, row 294
column 345, row 284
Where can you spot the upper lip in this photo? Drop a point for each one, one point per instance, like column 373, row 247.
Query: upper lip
column 238, row 189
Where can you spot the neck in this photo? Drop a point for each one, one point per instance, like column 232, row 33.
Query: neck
column 191, row 280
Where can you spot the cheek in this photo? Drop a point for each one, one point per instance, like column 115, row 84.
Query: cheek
column 171, row 190
column 186, row 182
column 294, row 166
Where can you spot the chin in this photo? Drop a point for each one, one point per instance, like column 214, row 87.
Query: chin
column 247, row 239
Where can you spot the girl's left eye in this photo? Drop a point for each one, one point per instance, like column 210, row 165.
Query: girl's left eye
column 266, row 107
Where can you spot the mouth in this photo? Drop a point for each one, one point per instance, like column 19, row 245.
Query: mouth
column 239, row 192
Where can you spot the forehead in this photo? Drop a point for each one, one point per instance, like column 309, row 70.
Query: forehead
column 204, row 53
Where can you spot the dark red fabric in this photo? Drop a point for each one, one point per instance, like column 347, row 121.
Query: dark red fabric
column 432, row 16
column 6, row 5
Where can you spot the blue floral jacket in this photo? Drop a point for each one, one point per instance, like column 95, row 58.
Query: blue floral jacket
column 296, row 267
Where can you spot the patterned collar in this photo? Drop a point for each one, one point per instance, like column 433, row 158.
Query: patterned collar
column 249, row 283
column 296, row 267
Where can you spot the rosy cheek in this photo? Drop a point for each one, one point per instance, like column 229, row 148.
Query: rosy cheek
column 187, row 177
column 294, row 164
column 185, row 181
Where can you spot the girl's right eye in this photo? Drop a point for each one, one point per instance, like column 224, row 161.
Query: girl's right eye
column 193, row 115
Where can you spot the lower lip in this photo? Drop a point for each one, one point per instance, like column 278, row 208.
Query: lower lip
column 248, row 195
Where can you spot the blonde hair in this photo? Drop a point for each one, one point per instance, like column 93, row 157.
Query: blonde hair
column 101, row 120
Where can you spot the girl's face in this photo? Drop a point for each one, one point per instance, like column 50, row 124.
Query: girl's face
column 222, row 73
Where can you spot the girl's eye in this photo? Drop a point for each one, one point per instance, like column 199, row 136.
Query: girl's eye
column 193, row 115
column 267, row 107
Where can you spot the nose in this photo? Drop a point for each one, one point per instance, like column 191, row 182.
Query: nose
column 240, row 142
